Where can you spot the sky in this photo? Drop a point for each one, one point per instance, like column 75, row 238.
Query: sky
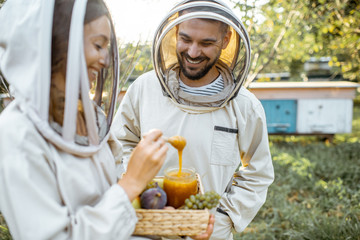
column 138, row 19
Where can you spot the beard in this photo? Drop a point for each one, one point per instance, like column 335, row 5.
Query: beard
column 201, row 72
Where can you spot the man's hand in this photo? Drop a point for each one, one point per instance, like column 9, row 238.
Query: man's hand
column 209, row 230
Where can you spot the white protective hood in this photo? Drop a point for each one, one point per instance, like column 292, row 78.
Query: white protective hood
column 25, row 61
column 233, row 63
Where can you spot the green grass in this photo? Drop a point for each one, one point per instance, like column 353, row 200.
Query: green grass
column 316, row 192
column 4, row 232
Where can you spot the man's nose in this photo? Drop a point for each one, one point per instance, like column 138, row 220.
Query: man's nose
column 194, row 50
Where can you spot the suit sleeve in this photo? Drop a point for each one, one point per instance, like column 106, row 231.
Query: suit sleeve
column 126, row 125
column 34, row 207
column 250, row 183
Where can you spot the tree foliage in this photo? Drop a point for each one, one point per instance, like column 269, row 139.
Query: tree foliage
column 135, row 59
column 285, row 34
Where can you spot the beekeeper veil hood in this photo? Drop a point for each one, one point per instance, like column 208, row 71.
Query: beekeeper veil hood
column 233, row 63
column 61, row 59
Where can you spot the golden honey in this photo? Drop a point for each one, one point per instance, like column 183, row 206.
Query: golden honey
column 179, row 187
column 179, row 143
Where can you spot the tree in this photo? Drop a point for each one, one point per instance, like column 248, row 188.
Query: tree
column 285, row 34
column 135, row 59
column 339, row 34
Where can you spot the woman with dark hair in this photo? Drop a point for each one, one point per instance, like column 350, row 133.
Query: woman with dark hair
column 58, row 177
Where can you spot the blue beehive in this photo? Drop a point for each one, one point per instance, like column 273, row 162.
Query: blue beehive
column 323, row 108
column 280, row 115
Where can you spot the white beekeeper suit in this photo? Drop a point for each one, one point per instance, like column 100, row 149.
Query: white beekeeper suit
column 226, row 133
column 55, row 183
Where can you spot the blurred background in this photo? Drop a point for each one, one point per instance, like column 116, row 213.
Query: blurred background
column 296, row 40
column 306, row 72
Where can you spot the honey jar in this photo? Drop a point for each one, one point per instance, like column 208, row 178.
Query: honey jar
column 179, row 185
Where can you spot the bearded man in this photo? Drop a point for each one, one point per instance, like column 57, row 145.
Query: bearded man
column 201, row 57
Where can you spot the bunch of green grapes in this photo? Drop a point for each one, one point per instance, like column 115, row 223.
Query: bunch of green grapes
column 208, row 200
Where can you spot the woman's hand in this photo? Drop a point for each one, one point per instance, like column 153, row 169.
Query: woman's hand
column 209, row 230
column 145, row 162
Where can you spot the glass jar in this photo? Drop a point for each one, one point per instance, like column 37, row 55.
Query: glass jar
column 179, row 187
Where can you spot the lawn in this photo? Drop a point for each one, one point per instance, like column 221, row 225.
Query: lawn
column 316, row 192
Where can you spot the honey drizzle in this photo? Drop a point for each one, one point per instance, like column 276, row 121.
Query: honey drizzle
column 179, row 143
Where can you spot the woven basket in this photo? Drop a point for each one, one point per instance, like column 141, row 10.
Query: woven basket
column 170, row 222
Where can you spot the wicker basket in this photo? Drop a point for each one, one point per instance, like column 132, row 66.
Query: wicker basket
column 165, row 222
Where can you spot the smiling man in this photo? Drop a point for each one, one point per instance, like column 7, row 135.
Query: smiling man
column 201, row 56
column 199, row 45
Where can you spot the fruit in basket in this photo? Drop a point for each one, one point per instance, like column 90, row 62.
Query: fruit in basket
column 136, row 203
column 152, row 183
column 160, row 182
column 153, row 198
column 207, row 200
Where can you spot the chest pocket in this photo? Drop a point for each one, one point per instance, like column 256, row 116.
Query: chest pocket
column 223, row 149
